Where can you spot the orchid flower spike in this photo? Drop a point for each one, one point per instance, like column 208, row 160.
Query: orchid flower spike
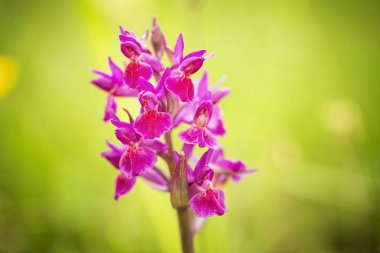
column 168, row 97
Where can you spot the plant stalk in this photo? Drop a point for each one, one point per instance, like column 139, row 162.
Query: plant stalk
column 171, row 163
column 183, row 212
column 184, row 220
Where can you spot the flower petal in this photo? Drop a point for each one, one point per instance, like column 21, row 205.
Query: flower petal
column 187, row 149
column 203, row 114
column 207, row 140
column 152, row 124
column 108, row 82
column 203, row 161
column 233, row 166
column 208, row 203
column 161, row 89
column 104, row 82
column 181, row 86
column 142, row 158
column 219, row 94
column 203, row 93
column 152, row 61
column 203, row 174
column 110, row 110
column 124, row 34
column 190, row 135
column 199, row 53
column 134, row 70
column 178, row 49
column 113, row 155
column 117, row 73
column 148, row 100
column 125, row 132
column 184, row 114
column 125, row 163
column 234, row 169
column 191, row 65
column 144, row 85
column 156, row 179
column 156, row 145
column 215, row 125
column 125, row 91
column 130, row 47
column 123, row 185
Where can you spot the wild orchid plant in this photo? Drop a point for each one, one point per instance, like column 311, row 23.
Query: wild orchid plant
column 175, row 99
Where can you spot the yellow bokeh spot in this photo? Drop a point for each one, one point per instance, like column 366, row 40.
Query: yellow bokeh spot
column 8, row 74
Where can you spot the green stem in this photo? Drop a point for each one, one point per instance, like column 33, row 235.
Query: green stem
column 171, row 163
column 183, row 212
column 184, row 220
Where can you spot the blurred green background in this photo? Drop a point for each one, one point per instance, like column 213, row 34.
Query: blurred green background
column 304, row 110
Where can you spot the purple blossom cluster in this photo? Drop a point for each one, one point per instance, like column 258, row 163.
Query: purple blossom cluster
column 169, row 97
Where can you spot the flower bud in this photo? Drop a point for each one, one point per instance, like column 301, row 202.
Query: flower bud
column 179, row 191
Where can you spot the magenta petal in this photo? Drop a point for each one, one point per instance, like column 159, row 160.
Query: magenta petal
column 199, row 53
column 207, row 140
column 111, row 109
column 219, row 94
column 181, row 86
column 215, row 125
column 117, row 73
column 194, row 189
column 153, row 62
column 144, row 85
column 233, row 166
column 125, row 91
column 188, row 149
column 235, row 169
column 152, row 124
column 202, row 88
column 125, row 163
column 104, row 82
column 123, row 184
column 208, row 203
column 125, row 132
column 113, row 155
column 191, row 135
column 145, row 70
column 134, row 70
column 204, row 160
column 160, row 89
column 184, row 114
column 191, row 65
column 203, row 113
column 125, row 33
column 203, row 174
column 148, row 100
column 130, row 47
column 178, row 49
column 156, row 179
column 142, row 158
column 156, row 145
column 217, row 155
column 108, row 82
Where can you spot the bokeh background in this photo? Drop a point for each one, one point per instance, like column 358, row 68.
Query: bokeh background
column 305, row 76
